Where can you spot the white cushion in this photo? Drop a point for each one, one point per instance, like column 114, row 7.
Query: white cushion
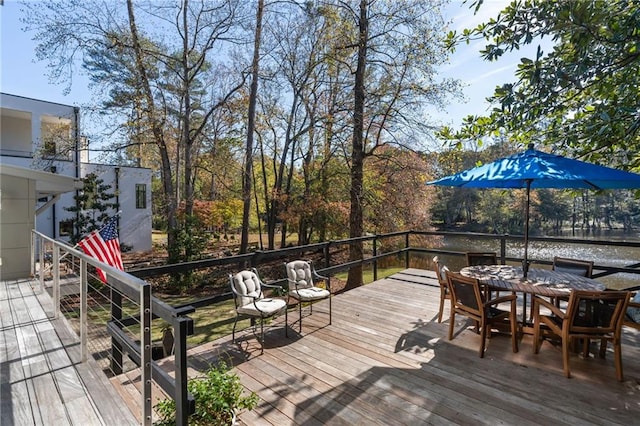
column 308, row 294
column 247, row 285
column 265, row 307
column 299, row 274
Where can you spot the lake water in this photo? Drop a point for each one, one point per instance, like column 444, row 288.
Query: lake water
column 601, row 255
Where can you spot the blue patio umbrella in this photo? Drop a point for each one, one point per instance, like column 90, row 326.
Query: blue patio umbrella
column 537, row 169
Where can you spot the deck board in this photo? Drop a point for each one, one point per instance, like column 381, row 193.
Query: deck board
column 42, row 380
column 386, row 360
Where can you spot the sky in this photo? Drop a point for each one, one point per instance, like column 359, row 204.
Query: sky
column 21, row 74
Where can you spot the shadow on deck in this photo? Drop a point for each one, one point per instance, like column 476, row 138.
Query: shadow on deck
column 386, row 360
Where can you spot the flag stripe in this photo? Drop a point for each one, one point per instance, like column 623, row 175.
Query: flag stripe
column 104, row 245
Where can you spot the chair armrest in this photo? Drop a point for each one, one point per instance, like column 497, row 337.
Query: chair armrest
column 274, row 286
column 279, row 290
column 552, row 307
column 634, row 288
column 500, row 299
column 317, row 276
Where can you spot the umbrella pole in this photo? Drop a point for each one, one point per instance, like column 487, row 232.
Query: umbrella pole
column 525, row 262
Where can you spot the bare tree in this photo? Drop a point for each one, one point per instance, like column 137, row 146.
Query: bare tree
column 247, row 176
column 171, row 88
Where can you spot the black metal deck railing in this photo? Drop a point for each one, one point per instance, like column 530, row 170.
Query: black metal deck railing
column 401, row 249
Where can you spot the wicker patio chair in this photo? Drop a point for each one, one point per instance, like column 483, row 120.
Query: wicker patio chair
column 583, row 268
column 481, row 258
column 475, row 258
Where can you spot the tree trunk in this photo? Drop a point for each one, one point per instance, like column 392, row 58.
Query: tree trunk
column 187, row 142
column 156, row 127
column 357, row 155
column 248, row 162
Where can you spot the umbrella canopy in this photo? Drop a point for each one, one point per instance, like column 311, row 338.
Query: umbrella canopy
column 537, row 169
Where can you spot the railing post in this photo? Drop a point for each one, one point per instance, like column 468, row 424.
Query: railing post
column 33, row 254
column 406, row 253
column 83, row 310
column 181, row 327
column 255, row 259
column 116, row 317
column 41, row 264
column 375, row 261
column 327, row 255
column 503, row 248
column 56, row 281
column 145, row 355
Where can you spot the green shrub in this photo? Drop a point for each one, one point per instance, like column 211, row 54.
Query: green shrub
column 219, row 395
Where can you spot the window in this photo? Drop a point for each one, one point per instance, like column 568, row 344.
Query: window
column 141, row 196
column 66, row 228
column 56, row 138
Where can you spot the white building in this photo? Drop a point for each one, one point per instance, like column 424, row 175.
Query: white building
column 45, row 136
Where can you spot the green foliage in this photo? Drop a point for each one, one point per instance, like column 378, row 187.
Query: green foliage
column 190, row 242
column 91, row 206
column 579, row 96
column 219, row 395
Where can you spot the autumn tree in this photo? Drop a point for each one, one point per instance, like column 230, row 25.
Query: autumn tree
column 296, row 100
column 396, row 197
column 247, row 173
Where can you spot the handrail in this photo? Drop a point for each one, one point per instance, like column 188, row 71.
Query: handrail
column 139, row 291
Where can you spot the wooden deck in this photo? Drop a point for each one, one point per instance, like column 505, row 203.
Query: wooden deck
column 385, row 360
column 42, row 381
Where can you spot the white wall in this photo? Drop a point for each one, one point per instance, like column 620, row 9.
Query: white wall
column 17, row 208
column 23, row 118
column 135, row 224
column 40, row 111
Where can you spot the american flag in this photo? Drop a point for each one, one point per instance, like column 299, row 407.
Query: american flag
column 104, row 245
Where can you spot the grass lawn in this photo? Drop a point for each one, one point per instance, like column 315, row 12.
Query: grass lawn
column 209, row 322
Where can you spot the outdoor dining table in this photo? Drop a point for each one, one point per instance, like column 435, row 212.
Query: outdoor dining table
column 540, row 282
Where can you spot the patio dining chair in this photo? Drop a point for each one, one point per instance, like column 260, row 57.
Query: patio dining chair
column 584, row 268
column 476, row 258
column 632, row 316
column 589, row 315
column 300, row 276
column 469, row 298
column 481, row 258
column 250, row 301
column 441, row 274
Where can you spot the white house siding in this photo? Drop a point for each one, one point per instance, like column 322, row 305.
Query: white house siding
column 20, row 137
column 135, row 224
column 17, row 197
column 22, row 120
